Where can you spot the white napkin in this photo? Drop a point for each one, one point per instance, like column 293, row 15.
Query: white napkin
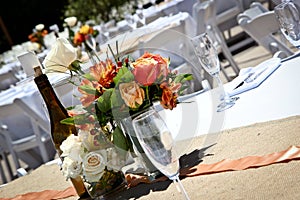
column 252, row 77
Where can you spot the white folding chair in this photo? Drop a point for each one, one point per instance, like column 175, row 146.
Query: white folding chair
column 37, row 140
column 204, row 14
column 226, row 12
column 7, row 79
column 261, row 24
column 7, row 168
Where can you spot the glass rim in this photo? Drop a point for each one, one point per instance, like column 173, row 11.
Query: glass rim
column 144, row 114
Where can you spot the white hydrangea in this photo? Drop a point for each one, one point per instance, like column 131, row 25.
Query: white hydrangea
column 71, row 168
column 72, row 148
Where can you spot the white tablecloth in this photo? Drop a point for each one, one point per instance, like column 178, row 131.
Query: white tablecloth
column 276, row 98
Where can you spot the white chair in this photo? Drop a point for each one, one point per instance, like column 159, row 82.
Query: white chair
column 261, row 24
column 37, row 141
column 226, row 12
column 7, row 168
column 204, row 14
column 7, row 79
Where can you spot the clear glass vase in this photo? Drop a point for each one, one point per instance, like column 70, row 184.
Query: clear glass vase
column 109, row 184
column 139, row 155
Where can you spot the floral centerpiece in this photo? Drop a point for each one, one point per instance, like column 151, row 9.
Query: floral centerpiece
column 84, row 40
column 38, row 35
column 111, row 90
column 82, row 35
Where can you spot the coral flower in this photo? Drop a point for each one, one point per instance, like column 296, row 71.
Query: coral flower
column 102, row 78
column 150, row 68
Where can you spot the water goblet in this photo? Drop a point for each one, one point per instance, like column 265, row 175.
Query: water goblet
column 288, row 17
column 208, row 57
column 158, row 145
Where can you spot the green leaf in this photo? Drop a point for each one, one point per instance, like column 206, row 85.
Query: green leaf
column 124, row 75
column 104, row 101
column 89, row 77
column 78, row 119
column 119, row 139
column 88, row 89
column 116, row 99
column 180, row 78
column 68, row 121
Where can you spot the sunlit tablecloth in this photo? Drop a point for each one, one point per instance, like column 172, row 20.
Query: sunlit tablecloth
column 276, row 181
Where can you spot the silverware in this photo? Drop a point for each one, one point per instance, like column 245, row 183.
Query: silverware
column 251, row 77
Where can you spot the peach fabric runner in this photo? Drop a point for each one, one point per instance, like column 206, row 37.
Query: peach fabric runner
column 45, row 195
column 291, row 153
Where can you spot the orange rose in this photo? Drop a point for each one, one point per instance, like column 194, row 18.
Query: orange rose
column 132, row 94
column 169, row 95
column 150, row 68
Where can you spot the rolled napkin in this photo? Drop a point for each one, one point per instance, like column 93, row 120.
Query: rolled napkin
column 252, row 77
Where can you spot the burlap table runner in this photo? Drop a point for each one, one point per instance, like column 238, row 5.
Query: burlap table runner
column 275, row 181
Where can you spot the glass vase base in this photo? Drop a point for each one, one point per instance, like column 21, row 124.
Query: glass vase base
column 110, row 184
column 112, row 194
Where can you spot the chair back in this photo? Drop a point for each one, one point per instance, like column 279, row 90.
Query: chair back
column 7, row 79
column 204, row 14
column 261, row 24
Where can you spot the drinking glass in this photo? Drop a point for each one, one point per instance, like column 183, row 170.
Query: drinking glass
column 158, row 144
column 208, row 57
column 287, row 15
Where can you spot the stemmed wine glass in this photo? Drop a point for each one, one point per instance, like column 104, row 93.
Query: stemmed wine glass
column 208, row 57
column 158, row 144
column 288, row 17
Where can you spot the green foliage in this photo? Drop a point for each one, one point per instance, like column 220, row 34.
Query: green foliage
column 99, row 10
column 104, row 102
column 119, row 139
column 123, row 76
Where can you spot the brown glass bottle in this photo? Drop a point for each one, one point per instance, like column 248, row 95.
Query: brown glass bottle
column 59, row 131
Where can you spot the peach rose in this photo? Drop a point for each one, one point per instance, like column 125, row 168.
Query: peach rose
column 132, row 94
column 150, row 68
